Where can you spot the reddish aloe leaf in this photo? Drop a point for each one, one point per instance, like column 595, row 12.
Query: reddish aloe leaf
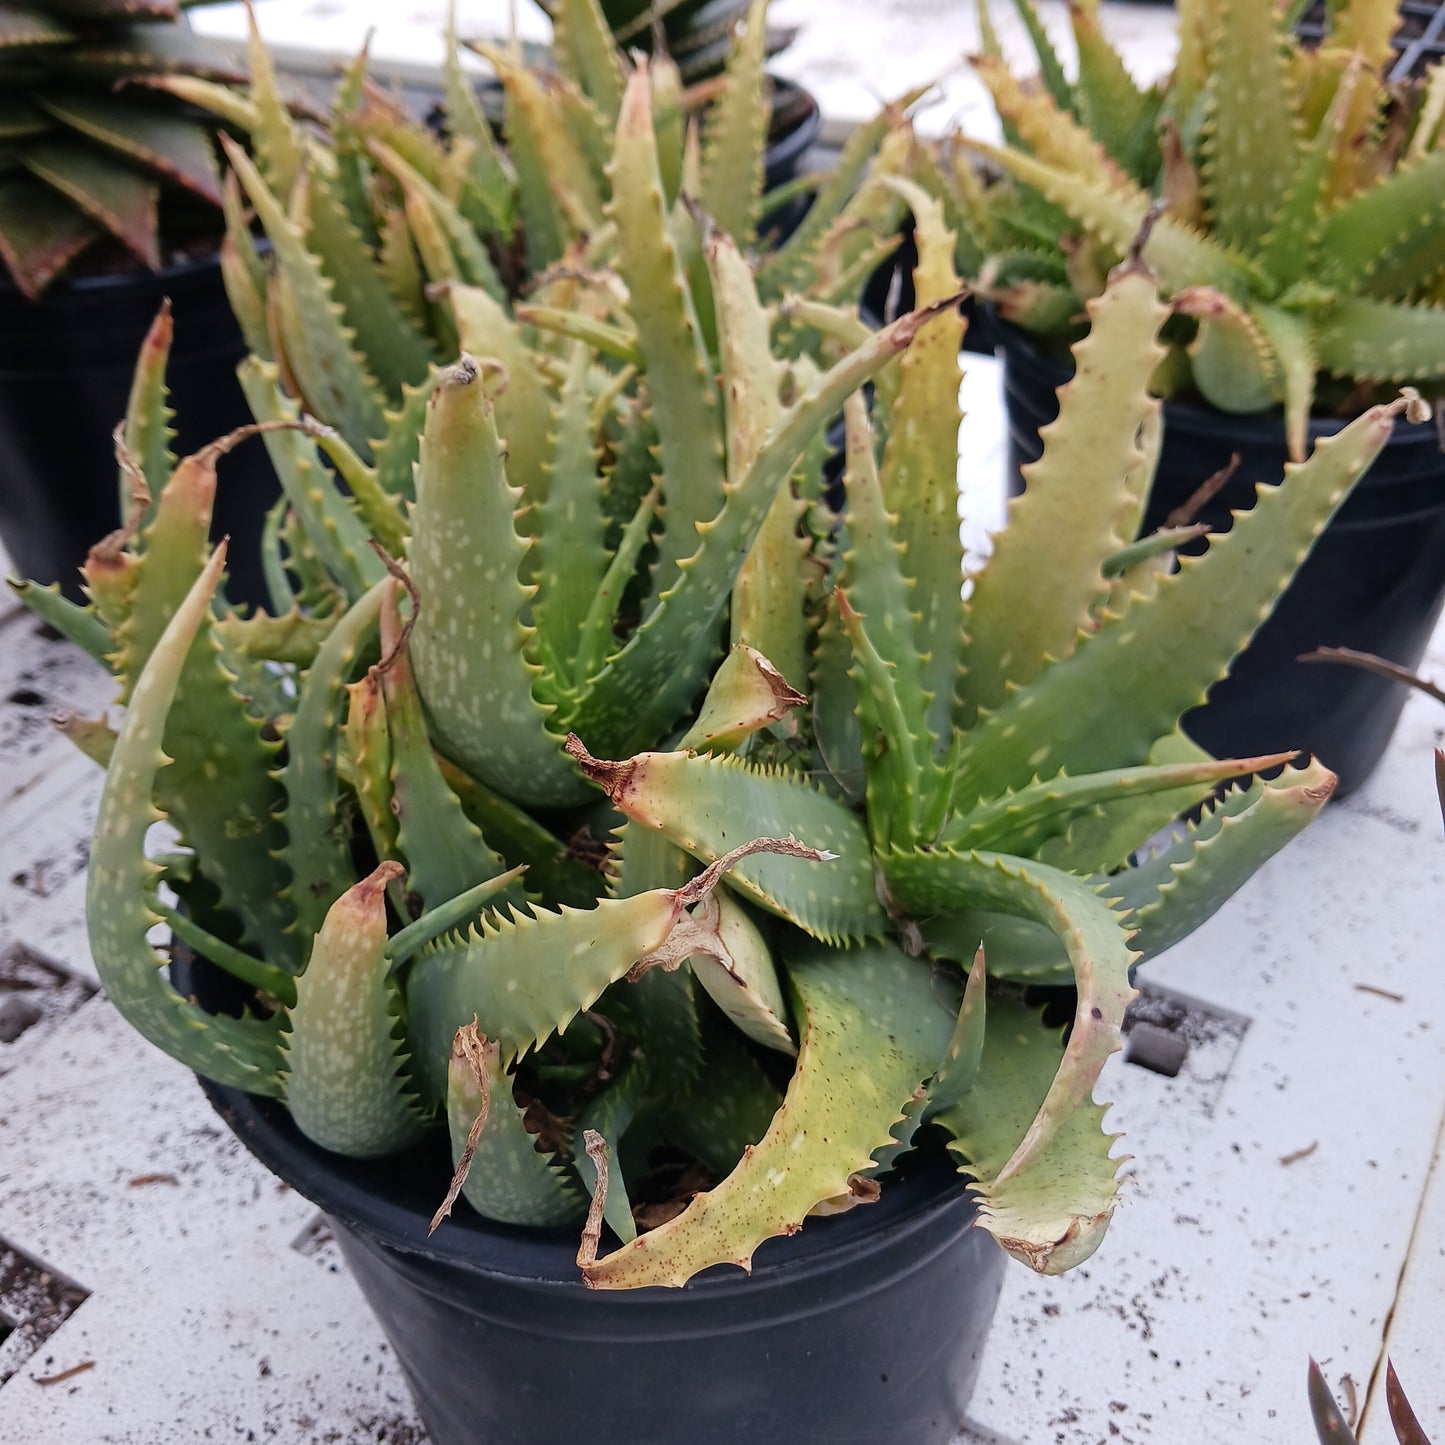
column 155, row 50
column 21, row 28
column 1408, row 1430
column 178, row 150
column 121, row 198
column 40, row 232
column 116, row 9
column 1330, row 1425
column 19, row 119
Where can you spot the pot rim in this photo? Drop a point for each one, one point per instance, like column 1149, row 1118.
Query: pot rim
column 788, row 149
column 116, row 280
column 547, row 1258
column 1190, row 415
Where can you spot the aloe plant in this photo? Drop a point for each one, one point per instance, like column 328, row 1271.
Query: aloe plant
column 87, row 148
column 1301, row 234
column 637, row 800
column 372, row 220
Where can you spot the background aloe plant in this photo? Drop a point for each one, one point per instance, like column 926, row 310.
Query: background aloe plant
column 647, row 805
column 370, row 221
column 697, row 34
column 86, row 149
column 1301, row 232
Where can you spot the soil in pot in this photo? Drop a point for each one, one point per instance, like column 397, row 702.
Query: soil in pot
column 64, row 383
column 1374, row 581
column 864, row 1326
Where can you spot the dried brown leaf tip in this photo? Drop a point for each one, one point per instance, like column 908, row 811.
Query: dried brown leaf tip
column 612, row 778
column 596, row 1147
column 470, row 1049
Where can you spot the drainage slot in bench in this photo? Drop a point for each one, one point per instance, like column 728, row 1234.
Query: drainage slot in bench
column 34, row 1302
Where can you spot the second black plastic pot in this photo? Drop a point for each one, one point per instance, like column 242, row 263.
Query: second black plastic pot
column 1374, row 581
column 65, row 373
column 865, row 1326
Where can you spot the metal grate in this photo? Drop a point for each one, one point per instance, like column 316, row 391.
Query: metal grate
column 34, row 1302
column 34, row 995
column 1419, row 43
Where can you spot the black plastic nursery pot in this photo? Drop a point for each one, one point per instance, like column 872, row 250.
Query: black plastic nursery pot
column 1374, row 581
column 864, row 1326
column 797, row 121
column 65, row 374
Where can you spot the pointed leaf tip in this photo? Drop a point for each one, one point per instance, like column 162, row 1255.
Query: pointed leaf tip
column 370, row 892
column 1408, row 1429
column 635, row 117
column 462, row 373
column 902, row 331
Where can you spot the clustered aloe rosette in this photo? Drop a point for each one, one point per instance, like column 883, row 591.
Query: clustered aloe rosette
column 87, row 144
column 854, row 849
column 370, row 219
column 1301, row 239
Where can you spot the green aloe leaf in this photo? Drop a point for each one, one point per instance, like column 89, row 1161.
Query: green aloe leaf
column 732, row 160
column 276, row 139
column 396, row 352
column 1251, row 136
column 1114, row 214
column 523, row 408
column 1077, row 509
column 510, row 1179
column 874, row 1027
column 345, row 1063
column 708, row 805
column 320, row 347
column 678, row 369
column 1382, row 340
column 1170, row 894
column 318, row 849
column 768, row 612
column 1109, row 102
column 668, row 659
column 470, row 647
column 1070, row 1192
column 242, row 1053
column 445, row 852
column 243, row 273
column 332, row 527
column 570, row 527
column 588, row 52
column 209, row 730
column 1215, row 602
column 473, row 263
column 790, row 266
column 922, row 445
column 1289, row 250
column 1389, row 239
column 148, row 434
column 77, row 624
